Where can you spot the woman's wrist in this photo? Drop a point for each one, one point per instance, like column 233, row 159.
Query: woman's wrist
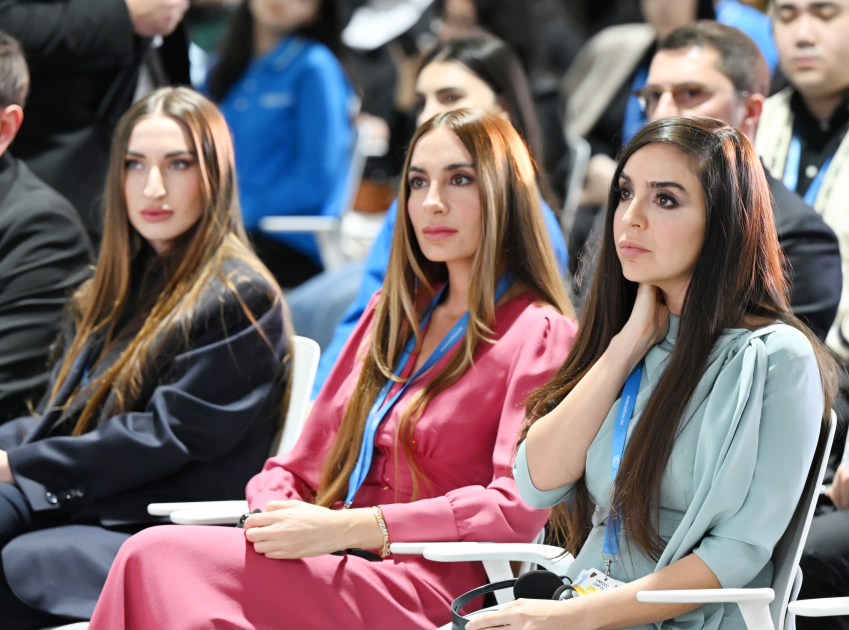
column 360, row 529
column 627, row 351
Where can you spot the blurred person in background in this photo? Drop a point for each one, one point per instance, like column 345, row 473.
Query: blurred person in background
column 172, row 371
column 89, row 60
column 474, row 72
column 289, row 103
column 803, row 140
column 45, row 253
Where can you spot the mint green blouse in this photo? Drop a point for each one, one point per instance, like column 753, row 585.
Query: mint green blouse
column 736, row 472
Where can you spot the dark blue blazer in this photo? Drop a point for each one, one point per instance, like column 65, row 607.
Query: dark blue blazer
column 209, row 411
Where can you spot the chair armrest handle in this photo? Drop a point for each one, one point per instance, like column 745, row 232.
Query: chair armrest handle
column 227, row 513
column 828, row 607
column 166, row 509
column 753, row 602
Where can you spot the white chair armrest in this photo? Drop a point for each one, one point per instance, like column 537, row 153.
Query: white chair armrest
column 552, row 558
column 166, row 509
column 753, row 602
column 828, row 607
column 306, row 223
column 226, row 513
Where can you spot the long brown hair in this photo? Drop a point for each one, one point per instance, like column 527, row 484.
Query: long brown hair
column 514, row 240
column 195, row 259
column 738, row 276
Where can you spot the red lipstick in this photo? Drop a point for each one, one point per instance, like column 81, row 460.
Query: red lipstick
column 436, row 232
column 156, row 214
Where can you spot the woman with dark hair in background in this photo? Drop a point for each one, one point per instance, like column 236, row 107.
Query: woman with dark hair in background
column 287, row 99
column 689, row 477
column 475, row 72
column 170, row 383
column 413, row 434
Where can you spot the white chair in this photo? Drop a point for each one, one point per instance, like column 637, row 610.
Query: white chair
column 328, row 230
column 763, row 609
column 305, row 353
column 766, row 608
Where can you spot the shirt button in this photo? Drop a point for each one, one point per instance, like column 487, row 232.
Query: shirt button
column 811, row 171
column 51, row 498
column 80, row 492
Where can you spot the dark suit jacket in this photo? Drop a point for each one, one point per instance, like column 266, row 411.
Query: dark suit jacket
column 44, row 255
column 203, row 427
column 84, row 59
column 810, row 246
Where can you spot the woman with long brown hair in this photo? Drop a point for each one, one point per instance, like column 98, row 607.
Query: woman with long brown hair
column 413, row 431
column 170, row 382
column 688, row 478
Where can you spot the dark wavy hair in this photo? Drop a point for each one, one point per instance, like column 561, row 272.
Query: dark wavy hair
column 237, row 48
column 738, row 277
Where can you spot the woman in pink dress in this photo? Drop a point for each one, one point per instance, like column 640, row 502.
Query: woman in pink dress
column 413, row 430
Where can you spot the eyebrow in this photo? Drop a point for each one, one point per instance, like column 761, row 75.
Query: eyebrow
column 167, row 155
column 667, row 184
column 450, row 167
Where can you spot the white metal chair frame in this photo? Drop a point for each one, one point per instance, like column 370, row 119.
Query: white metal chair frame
column 762, row 609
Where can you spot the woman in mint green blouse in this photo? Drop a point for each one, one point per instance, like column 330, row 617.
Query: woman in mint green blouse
column 722, row 410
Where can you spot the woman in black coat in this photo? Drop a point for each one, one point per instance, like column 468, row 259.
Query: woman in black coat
column 172, row 372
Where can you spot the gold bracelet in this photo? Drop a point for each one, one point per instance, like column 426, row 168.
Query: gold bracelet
column 378, row 514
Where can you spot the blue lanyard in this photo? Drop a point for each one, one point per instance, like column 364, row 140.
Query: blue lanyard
column 379, row 409
column 635, row 118
column 617, row 451
column 791, row 170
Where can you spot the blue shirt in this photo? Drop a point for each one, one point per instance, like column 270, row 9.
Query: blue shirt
column 753, row 23
column 375, row 271
column 291, row 117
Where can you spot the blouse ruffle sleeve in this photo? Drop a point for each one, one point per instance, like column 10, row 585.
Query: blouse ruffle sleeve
column 539, row 499
column 494, row 512
column 762, row 422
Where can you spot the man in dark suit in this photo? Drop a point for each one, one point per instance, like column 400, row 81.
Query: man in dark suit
column 86, row 58
column 44, row 253
column 709, row 69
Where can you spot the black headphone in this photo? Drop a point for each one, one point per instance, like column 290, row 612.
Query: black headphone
column 532, row 585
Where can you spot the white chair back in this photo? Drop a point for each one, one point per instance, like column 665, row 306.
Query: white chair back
column 305, row 354
column 788, row 551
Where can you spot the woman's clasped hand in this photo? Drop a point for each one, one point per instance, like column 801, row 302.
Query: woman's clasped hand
column 288, row 530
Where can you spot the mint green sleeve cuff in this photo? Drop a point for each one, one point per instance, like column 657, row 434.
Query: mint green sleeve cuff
column 539, row 499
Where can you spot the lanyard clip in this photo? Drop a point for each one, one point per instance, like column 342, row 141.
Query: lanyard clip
column 608, row 562
column 347, row 505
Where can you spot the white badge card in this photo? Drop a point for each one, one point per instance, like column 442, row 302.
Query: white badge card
column 594, row 581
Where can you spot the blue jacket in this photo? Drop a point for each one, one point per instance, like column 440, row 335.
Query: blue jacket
column 753, row 23
column 375, row 270
column 291, row 119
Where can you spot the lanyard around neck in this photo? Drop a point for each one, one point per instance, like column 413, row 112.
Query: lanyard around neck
column 791, row 170
column 617, row 451
column 381, row 407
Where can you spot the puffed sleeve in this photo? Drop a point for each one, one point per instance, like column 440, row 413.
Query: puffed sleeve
column 790, row 407
column 494, row 512
column 540, row 499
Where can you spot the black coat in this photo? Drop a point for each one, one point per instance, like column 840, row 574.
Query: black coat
column 44, row 255
column 84, row 59
column 202, row 429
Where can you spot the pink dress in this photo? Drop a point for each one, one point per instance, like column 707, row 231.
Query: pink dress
column 180, row 577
